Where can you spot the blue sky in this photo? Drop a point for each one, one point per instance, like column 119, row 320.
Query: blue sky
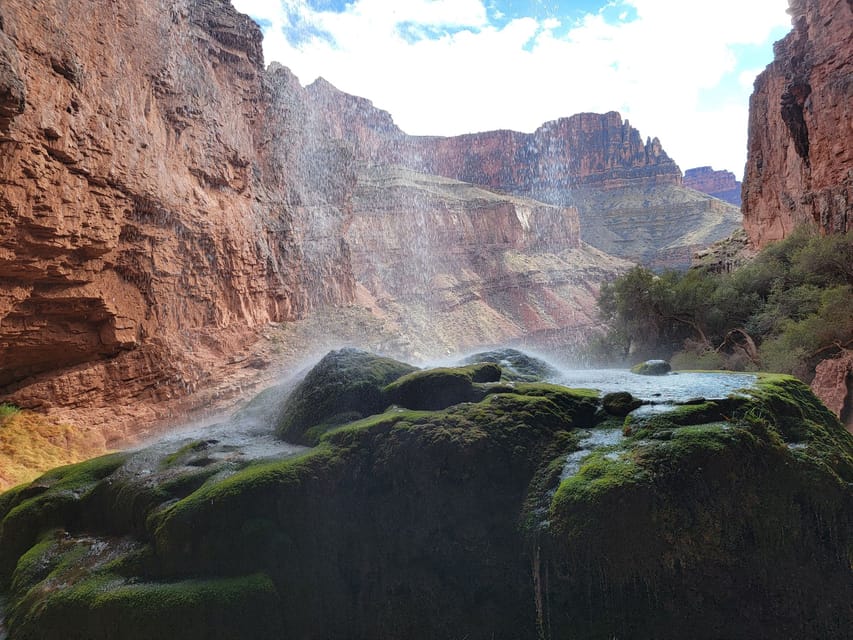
column 678, row 70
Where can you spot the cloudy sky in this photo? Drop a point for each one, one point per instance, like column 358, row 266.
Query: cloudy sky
column 681, row 70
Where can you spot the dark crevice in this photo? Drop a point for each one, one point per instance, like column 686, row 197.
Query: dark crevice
column 792, row 114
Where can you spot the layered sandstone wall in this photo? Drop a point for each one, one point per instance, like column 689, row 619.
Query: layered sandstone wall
column 149, row 219
column 456, row 266
column 721, row 184
column 586, row 149
column 628, row 192
column 800, row 163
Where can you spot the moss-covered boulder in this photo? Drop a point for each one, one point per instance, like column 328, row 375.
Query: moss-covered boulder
column 652, row 368
column 620, row 403
column 345, row 385
column 517, row 365
column 440, row 388
column 522, row 513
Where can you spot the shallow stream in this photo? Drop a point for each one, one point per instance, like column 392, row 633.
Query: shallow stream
column 673, row 387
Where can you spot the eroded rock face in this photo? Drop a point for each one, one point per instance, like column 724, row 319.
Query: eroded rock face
column 720, row 184
column 457, row 266
column 800, row 163
column 628, row 192
column 833, row 384
column 150, row 217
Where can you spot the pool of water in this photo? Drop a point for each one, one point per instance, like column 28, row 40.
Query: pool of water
column 673, row 387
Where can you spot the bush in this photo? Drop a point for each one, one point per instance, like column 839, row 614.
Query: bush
column 785, row 311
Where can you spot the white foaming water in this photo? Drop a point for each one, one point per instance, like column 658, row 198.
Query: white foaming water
column 594, row 439
column 673, row 387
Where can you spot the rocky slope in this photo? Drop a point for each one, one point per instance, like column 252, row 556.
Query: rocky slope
column 478, row 506
column 720, row 184
column 800, row 163
column 156, row 207
column 455, row 266
column 594, row 162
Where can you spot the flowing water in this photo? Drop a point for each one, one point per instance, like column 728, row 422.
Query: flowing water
column 594, row 439
column 667, row 389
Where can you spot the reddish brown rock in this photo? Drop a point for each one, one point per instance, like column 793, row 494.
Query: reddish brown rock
column 587, row 149
column 457, row 266
column 833, row 384
column 159, row 202
column 594, row 162
column 800, row 161
column 720, row 184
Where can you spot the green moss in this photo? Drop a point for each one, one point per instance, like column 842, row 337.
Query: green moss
column 28, row 514
column 7, row 410
column 601, row 472
column 343, row 382
column 516, row 365
column 352, row 433
column 35, row 565
column 76, row 476
column 185, row 451
column 652, row 368
column 419, row 524
column 436, row 389
column 620, row 403
column 710, row 411
column 106, row 606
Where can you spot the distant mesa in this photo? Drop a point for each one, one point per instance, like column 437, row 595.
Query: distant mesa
column 720, row 184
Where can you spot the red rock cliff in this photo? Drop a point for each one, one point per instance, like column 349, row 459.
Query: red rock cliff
column 587, row 149
column 800, row 163
column 158, row 199
column 457, row 266
column 720, row 184
column 628, row 192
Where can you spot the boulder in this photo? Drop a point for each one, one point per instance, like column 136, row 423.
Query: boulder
column 652, row 368
column 345, row 385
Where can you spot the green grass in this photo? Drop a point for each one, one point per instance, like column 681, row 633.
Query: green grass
column 7, row 410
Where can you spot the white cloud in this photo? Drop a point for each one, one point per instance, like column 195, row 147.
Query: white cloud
column 470, row 75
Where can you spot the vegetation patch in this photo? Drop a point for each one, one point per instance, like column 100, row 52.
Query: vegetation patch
column 517, row 366
column 785, row 311
column 106, row 606
column 31, row 443
column 436, row 389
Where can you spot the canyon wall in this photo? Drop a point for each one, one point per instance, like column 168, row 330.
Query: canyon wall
column 586, row 149
column 800, row 163
column 628, row 192
column 455, row 266
column 165, row 198
column 158, row 202
column 721, row 184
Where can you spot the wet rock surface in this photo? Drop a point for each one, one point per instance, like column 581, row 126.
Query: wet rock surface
column 652, row 368
column 522, row 512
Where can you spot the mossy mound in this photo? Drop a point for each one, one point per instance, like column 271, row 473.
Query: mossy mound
column 620, row 403
column 517, row 366
column 652, row 368
column 458, row 522
column 345, row 385
column 436, row 389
